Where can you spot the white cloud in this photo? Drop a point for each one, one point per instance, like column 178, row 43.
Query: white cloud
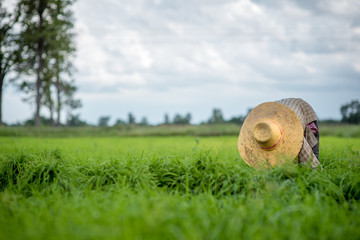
column 210, row 57
column 176, row 28
column 343, row 7
column 191, row 56
column 242, row 9
column 134, row 50
column 356, row 66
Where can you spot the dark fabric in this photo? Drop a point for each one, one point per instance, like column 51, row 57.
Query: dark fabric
column 316, row 147
column 306, row 115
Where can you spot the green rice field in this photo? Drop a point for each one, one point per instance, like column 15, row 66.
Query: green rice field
column 173, row 187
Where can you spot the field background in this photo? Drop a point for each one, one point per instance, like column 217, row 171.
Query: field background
column 157, row 183
column 338, row 130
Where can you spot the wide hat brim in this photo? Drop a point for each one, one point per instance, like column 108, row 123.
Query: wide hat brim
column 287, row 148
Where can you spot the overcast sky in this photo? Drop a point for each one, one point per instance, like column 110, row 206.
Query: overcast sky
column 152, row 57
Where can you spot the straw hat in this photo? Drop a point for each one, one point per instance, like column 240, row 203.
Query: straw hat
column 272, row 134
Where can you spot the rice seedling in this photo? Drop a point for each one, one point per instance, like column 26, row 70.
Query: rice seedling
column 172, row 188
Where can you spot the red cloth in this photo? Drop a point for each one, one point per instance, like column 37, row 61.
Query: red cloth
column 313, row 127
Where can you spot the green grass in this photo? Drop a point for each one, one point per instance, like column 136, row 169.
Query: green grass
column 126, row 130
column 338, row 130
column 172, row 188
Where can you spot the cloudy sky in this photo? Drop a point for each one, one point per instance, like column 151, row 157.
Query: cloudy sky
column 152, row 57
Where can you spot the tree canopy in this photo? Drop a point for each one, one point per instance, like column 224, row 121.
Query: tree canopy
column 351, row 112
column 8, row 48
column 47, row 48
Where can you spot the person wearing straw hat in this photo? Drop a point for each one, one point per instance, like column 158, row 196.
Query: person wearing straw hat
column 277, row 132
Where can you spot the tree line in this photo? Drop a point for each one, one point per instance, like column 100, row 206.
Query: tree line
column 36, row 54
column 178, row 119
column 350, row 113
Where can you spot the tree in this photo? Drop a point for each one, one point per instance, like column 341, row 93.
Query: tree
column 75, row 121
column 178, row 119
column 65, row 91
column 104, row 121
column 119, row 122
column 62, row 56
column 166, row 119
column 188, row 118
column 237, row 120
column 46, row 98
column 144, row 122
column 351, row 112
column 46, row 43
column 216, row 117
column 131, row 119
column 71, row 104
column 8, row 48
column 44, row 121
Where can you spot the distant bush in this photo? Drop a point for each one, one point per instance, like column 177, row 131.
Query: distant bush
column 225, row 129
column 339, row 130
column 351, row 112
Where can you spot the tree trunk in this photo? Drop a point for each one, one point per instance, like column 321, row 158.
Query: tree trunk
column 52, row 122
column 38, row 93
column 58, row 92
column 2, row 77
column 40, row 48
